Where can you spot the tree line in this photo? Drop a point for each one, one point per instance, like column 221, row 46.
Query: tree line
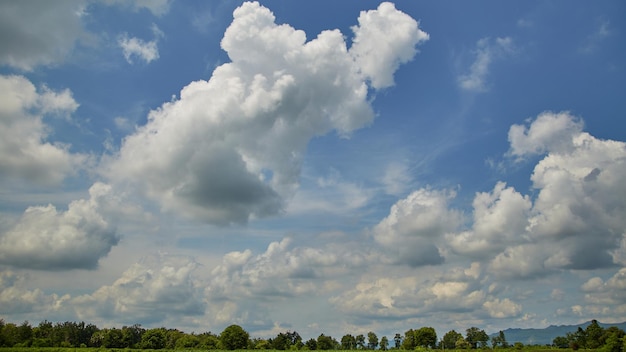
column 593, row 336
column 234, row 337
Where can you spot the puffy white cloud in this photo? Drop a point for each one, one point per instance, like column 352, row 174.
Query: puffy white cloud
column 604, row 298
column 500, row 220
column 281, row 271
column 487, row 51
column 38, row 33
column 47, row 239
column 151, row 290
column 249, row 288
column 549, row 132
column 400, row 297
column 231, row 147
column 504, row 308
column 415, row 226
column 609, row 292
column 135, row 47
column 384, row 39
column 15, row 298
column 576, row 220
column 25, row 155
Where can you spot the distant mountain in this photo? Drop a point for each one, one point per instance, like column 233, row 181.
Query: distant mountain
column 545, row 336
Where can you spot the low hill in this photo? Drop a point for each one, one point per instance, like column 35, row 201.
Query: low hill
column 546, row 335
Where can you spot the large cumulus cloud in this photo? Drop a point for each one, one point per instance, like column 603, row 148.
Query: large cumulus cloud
column 575, row 220
column 50, row 239
column 26, row 156
column 413, row 230
column 230, row 148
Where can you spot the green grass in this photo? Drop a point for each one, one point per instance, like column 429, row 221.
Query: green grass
column 102, row 349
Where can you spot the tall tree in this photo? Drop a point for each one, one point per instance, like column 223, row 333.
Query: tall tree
column 593, row 334
column 450, row 339
column 409, row 340
column 425, row 337
column 325, row 342
column 475, row 337
column 499, row 340
column 360, row 341
column 397, row 340
column 384, row 343
column 154, row 339
column 311, row 344
column 348, row 342
column 372, row 340
column 234, row 337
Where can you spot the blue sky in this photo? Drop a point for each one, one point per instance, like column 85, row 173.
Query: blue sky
column 325, row 167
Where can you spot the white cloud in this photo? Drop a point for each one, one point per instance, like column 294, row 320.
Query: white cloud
column 46, row 239
column 415, row 225
column 16, row 299
column 605, row 298
column 135, row 47
column 230, row 148
column 331, row 194
column 548, row 132
column 38, row 33
column 281, row 271
column 487, row 50
column 576, row 218
column 396, row 179
column 500, row 220
column 504, row 308
column 25, row 155
column 399, row 297
column 384, row 39
column 151, row 290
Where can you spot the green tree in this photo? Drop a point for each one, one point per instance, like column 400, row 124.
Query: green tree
column 560, row 342
column 234, row 337
column 593, row 334
column 409, row 340
column 209, row 341
column 154, row 339
column 42, row 334
column 311, row 344
column 171, row 336
column 24, row 334
column 325, row 342
column 384, row 343
column 425, row 337
column 450, row 339
column 360, row 341
column 611, row 340
column 372, row 340
column 348, row 342
column 188, row 341
column 462, row 344
column 476, row 337
column 112, row 338
column 397, row 340
column 131, row 335
column 499, row 340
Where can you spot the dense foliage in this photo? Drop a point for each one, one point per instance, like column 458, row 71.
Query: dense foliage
column 593, row 337
column 49, row 335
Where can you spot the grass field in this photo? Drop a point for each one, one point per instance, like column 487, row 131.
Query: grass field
column 72, row 349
